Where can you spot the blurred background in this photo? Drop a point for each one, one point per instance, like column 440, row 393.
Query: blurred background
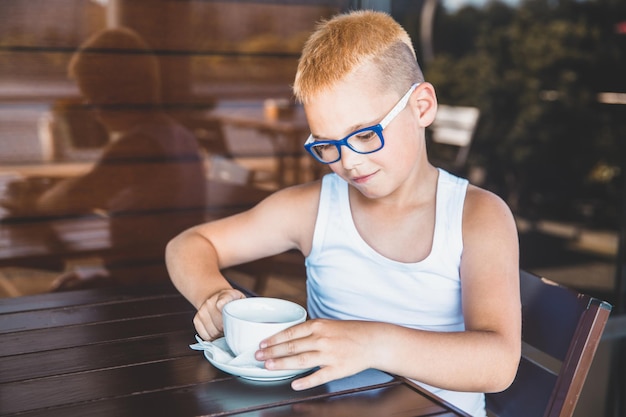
column 533, row 107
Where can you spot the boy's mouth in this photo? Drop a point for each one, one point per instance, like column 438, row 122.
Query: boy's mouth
column 362, row 178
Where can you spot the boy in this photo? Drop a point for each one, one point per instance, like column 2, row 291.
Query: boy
column 410, row 270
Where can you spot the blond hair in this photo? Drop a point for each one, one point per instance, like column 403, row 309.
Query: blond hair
column 345, row 43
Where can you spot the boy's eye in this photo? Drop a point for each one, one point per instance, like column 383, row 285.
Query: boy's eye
column 365, row 136
column 323, row 147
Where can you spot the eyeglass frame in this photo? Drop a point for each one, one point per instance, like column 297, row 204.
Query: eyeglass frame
column 377, row 128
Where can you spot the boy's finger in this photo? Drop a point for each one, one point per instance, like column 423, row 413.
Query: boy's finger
column 294, row 332
column 227, row 297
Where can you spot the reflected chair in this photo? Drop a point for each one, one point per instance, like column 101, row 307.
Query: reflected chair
column 208, row 131
column 451, row 135
column 71, row 132
column 561, row 330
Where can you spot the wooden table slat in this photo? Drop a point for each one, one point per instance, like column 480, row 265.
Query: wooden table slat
column 93, row 357
column 43, row 340
column 106, row 383
column 396, row 400
column 82, row 297
column 98, row 313
column 194, row 388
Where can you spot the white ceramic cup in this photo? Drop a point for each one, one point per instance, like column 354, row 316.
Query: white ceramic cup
column 248, row 321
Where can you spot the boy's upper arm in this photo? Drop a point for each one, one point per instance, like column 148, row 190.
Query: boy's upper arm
column 283, row 221
column 490, row 265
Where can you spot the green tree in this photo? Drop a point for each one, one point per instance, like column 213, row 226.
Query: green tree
column 535, row 73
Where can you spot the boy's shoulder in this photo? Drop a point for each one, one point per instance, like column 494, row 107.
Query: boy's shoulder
column 292, row 212
column 484, row 208
column 479, row 197
column 297, row 197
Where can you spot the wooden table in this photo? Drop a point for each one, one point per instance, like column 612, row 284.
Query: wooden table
column 124, row 352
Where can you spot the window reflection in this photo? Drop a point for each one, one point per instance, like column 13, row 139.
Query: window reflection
column 139, row 127
column 151, row 163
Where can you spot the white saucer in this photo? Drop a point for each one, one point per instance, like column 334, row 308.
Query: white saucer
column 253, row 373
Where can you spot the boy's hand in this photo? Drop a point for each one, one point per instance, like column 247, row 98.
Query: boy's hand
column 339, row 347
column 208, row 319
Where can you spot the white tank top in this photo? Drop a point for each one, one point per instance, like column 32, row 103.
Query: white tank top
column 348, row 280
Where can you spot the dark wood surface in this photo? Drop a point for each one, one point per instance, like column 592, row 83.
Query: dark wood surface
column 124, row 351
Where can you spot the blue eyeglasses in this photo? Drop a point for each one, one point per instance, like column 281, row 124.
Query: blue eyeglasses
column 367, row 140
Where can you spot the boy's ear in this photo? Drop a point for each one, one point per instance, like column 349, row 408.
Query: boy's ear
column 424, row 102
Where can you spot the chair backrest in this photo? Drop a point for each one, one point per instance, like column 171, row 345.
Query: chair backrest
column 225, row 169
column 561, row 330
column 452, row 134
column 71, row 132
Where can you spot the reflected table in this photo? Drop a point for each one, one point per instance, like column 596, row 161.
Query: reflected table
column 124, row 352
column 287, row 135
column 37, row 241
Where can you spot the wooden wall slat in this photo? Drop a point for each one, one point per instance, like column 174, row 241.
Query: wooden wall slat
column 184, row 25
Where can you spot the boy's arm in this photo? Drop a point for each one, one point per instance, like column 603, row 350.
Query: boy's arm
column 193, row 267
column 283, row 221
column 485, row 357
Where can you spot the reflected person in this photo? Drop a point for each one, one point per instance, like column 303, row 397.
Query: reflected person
column 148, row 173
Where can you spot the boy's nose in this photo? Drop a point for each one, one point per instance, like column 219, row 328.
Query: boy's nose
column 350, row 159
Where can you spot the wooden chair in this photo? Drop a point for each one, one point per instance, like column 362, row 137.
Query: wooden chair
column 71, row 132
column 451, row 137
column 561, row 330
